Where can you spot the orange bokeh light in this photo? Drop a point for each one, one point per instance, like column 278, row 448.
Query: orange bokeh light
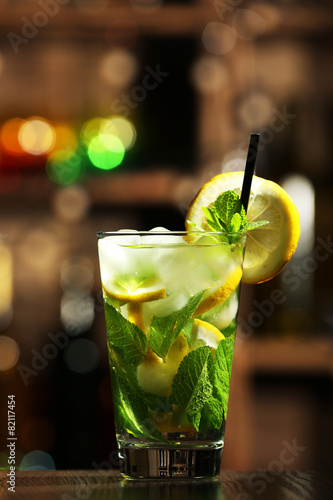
column 9, row 136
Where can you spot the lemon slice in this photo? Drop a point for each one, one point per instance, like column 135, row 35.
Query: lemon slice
column 135, row 314
column 268, row 248
column 146, row 291
column 155, row 376
column 223, row 314
column 204, row 333
column 220, row 294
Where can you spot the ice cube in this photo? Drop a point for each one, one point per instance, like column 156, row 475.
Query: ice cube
column 116, row 254
column 161, row 239
column 163, row 307
column 222, row 315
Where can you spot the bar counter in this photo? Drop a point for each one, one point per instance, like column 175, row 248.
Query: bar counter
column 107, row 484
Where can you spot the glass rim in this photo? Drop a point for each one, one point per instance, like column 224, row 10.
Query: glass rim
column 194, row 232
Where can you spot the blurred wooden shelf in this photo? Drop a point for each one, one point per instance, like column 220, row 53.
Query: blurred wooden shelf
column 308, row 356
column 171, row 20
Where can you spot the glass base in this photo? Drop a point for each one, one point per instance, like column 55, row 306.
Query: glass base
column 164, row 463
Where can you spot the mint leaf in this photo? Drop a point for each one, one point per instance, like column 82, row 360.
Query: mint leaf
column 129, row 342
column 165, row 330
column 187, row 330
column 235, row 223
column 212, row 414
column 222, row 371
column 192, row 385
column 214, row 225
column 228, row 216
column 215, row 408
column 254, row 225
column 131, row 411
column 226, row 205
column 212, row 219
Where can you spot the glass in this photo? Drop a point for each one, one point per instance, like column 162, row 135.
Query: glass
column 171, row 302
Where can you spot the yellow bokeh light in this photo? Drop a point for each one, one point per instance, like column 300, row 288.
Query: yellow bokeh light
column 36, row 136
column 120, row 127
column 65, row 138
column 91, row 128
column 6, row 285
column 9, row 353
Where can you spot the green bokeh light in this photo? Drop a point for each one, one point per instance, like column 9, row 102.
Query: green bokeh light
column 64, row 167
column 106, row 151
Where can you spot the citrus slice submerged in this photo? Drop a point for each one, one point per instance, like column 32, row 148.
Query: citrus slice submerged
column 148, row 290
column 220, row 294
column 268, row 248
column 204, row 333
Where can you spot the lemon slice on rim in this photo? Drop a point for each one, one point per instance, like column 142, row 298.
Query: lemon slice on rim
column 130, row 291
column 268, row 248
column 221, row 293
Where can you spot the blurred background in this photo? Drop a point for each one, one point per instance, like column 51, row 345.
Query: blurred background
column 112, row 114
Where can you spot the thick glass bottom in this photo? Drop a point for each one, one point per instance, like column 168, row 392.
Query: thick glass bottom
column 165, row 463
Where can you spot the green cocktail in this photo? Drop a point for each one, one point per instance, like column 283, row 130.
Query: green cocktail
column 171, row 301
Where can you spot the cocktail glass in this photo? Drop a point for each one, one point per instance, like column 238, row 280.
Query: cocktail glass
column 171, row 303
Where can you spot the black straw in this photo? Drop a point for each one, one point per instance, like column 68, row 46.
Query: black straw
column 249, row 169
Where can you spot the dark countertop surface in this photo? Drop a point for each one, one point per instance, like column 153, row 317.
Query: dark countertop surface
column 106, row 484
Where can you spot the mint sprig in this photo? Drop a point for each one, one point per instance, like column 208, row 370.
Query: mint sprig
column 131, row 410
column 226, row 216
column 201, row 385
column 127, row 339
column 193, row 384
column 165, row 330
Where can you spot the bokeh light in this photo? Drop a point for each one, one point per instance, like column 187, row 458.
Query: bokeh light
column 6, row 285
column 248, row 24
column 234, row 161
column 77, row 313
column 302, row 192
column 9, row 353
column 106, row 151
column 65, row 138
column 91, row 128
column 71, row 204
column 64, row 167
column 9, row 136
column 209, row 74
column 37, row 460
column 122, row 33
column 118, row 68
column 218, row 38
column 82, row 356
column 256, row 110
column 36, row 136
column 122, row 128
column 39, row 251
column 77, row 275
